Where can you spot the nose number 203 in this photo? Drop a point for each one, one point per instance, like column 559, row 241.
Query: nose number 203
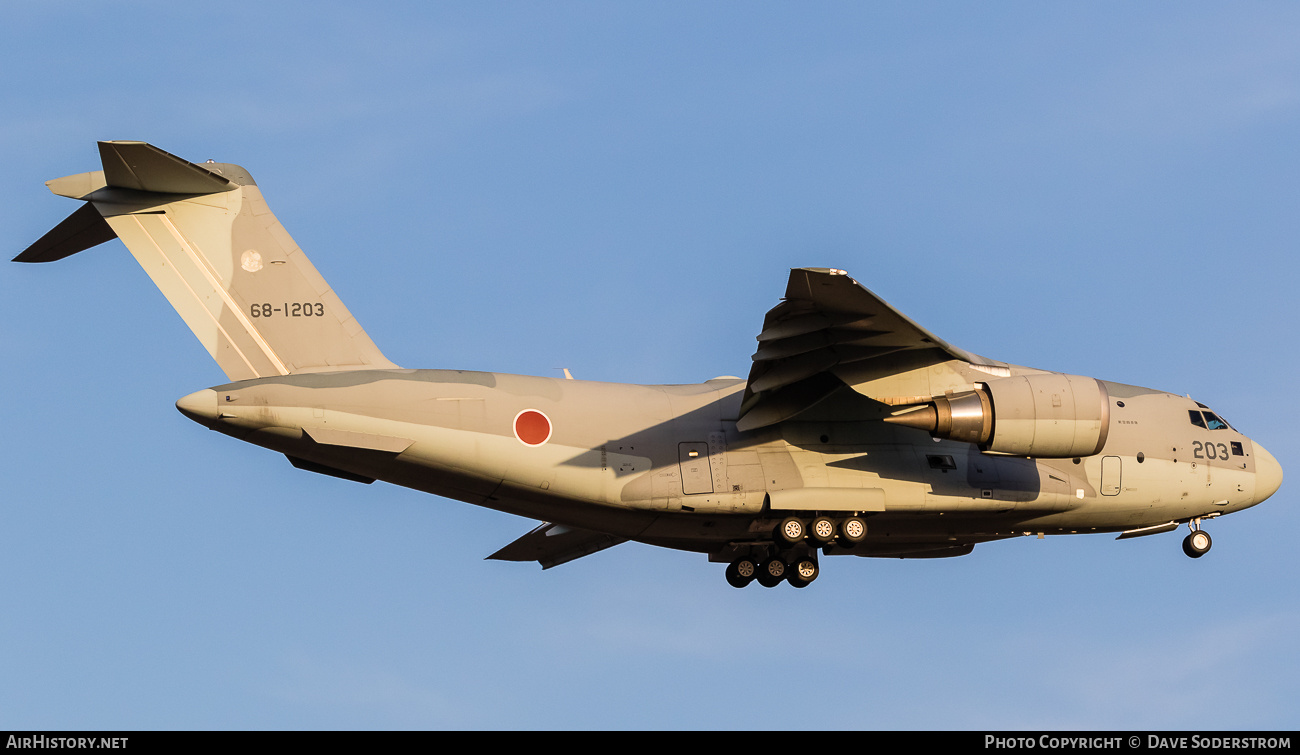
column 1209, row 450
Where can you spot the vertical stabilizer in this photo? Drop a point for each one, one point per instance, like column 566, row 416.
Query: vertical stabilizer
column 206, row 237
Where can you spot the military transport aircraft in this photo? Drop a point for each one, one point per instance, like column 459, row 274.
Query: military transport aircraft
column 857, row 432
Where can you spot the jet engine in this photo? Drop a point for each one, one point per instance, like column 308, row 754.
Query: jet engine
column 1046, row 415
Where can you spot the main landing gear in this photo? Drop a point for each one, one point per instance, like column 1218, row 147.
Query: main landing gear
column 800, row 571
column 793, row 555
column 824, row 530
column 1197, row 543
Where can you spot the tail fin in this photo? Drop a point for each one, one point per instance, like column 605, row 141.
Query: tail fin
column 206, row 237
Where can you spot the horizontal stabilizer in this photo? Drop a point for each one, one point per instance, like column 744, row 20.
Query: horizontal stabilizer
column 144, row 167
column 78, row 232
column 554, row 544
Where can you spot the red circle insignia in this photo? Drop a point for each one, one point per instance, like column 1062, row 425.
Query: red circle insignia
column 532, row 428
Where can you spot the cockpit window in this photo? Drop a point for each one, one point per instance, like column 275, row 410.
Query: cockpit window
column 1207, row 419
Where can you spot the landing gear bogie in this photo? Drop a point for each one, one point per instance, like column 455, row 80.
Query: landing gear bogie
column 771, row 571
column 821, row 531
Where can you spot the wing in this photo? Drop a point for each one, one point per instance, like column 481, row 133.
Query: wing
column 829, row 331
column 554, row 544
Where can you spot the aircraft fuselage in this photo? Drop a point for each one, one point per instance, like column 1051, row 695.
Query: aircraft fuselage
column 666, row 465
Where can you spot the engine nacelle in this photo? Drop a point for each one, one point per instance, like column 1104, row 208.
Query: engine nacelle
column 1047, row 415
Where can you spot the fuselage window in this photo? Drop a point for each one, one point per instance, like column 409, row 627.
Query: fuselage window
column 1195, row 416
column 1236, row 449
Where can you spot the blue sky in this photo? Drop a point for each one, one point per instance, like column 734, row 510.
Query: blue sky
column 619, row 189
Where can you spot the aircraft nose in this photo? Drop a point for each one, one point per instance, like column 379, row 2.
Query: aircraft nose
column 201, row 406
column 1268, row 474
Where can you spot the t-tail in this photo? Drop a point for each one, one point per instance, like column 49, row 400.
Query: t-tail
column 206, row 237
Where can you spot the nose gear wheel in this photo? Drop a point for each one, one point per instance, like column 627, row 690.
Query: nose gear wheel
column 1197, row 543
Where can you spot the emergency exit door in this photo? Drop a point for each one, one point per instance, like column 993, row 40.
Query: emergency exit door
column 1111, row 475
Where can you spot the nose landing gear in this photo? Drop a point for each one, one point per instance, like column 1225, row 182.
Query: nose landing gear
column 1197, row 543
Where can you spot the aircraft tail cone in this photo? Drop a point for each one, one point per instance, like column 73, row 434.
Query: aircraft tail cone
column 200, row 406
